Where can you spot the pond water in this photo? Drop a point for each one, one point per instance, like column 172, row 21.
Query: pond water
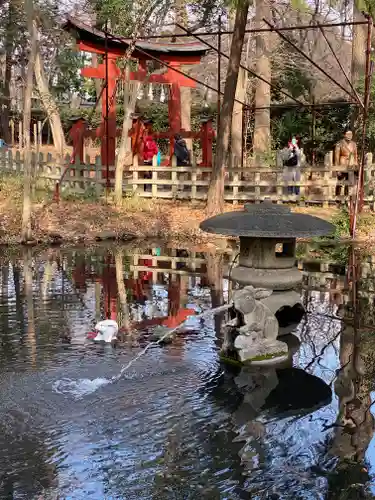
column 178, row 424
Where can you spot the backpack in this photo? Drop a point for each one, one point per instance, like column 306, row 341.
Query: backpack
column 292, row 161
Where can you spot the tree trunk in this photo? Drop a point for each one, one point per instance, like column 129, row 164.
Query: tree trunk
column 358, row 66
column 124, row 157
column 48, row 101
column 9, row 45
column 26, row 213
column 358, row 46
column 185, row 92
column 262, row 132
column 237, row 120
column 215, row 201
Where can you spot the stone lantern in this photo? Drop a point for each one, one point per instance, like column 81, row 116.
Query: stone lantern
column 267, row 260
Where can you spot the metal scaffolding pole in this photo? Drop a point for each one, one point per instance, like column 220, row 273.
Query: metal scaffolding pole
column 173, row 68
column 243, row 67
column 106, row 107
column 292, row 44
column 341, row 66
column 218, row 77
column 260, row 30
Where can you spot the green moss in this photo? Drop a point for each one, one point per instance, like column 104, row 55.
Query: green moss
column 264, row 357
column 230, row 361
column 236, row 362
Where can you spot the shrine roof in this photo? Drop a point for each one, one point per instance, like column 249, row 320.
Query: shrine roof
column 88, row 34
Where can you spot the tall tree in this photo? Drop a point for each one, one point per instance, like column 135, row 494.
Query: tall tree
column 47, row 99
column 124, row 157
column 359, row 43
column 9, row 47
column 359, row 47
column 26, row 213
column 237, row 120
column 185, row 92
column 215, row 201
column 262, row 125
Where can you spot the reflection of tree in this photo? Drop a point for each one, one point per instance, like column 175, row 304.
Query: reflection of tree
column 28, row 277
column 124, row 316
column 355, row 424
column 18, row 293
column 215, row 264
column 7, row 345
column 25, row 468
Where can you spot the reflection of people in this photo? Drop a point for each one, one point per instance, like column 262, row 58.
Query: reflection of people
column 181, row 151
column 345, row 156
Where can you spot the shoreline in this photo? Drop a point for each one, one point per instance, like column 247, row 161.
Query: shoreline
column 91, row 222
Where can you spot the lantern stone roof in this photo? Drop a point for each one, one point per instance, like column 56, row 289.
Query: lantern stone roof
column 267, row 220
column 84, row 33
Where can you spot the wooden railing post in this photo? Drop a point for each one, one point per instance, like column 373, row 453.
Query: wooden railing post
column 154, row 190
column 235, row 180
column 20, row 135
column 326, row 188
column 174, row 180
column 193, row 183
column 11, row 125
column 257, row 187
column 40, row 138
column 135, row 174
column 98, row 176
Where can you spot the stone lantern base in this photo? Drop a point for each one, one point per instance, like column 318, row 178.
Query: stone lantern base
column 259, row 352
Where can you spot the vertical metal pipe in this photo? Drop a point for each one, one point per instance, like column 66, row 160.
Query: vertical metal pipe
column 106, row 107
column 358, row 205
column 218, row 76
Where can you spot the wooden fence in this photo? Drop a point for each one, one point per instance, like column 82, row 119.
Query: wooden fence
column 317, row 184
column 36, row 129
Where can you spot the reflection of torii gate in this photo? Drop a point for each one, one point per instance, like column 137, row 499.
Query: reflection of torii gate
column 176, row 313
column 112, row 48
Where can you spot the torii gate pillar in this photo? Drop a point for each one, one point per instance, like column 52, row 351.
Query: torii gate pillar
column 110, row 119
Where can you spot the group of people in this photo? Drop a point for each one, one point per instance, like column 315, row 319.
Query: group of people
column 150, row 149
column 345, row 155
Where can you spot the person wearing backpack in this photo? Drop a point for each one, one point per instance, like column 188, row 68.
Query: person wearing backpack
column 181, row 151
column 292, row 163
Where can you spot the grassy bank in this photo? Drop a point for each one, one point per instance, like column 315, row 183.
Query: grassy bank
column 87, row 219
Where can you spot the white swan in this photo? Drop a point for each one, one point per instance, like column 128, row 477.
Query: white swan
column 106, row 331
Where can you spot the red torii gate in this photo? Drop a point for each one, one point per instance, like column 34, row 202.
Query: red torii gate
column 111, row 48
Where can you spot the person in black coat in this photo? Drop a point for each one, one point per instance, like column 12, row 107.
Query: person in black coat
column 181, row 151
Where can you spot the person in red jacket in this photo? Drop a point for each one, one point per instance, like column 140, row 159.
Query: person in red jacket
column 150, row 149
